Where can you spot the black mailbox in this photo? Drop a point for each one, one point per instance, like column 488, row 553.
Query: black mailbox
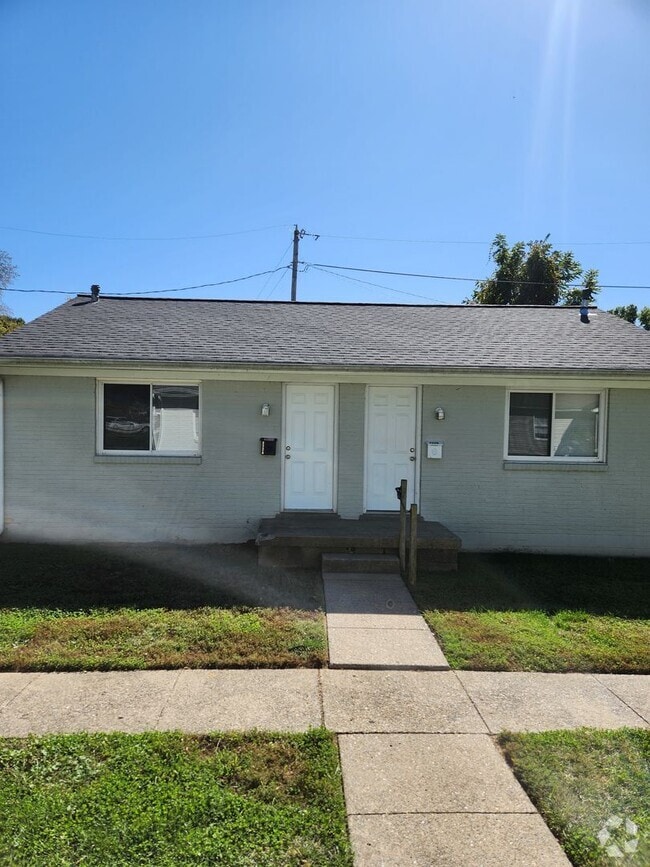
column 268, row 445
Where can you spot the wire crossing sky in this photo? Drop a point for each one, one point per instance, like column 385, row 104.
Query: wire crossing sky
column 158, row 145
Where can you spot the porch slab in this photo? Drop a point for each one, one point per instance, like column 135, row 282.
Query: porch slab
column 534, row 702
column 414, row 649
column 461, row 840
column 428, row 773
column 398, row 701
column 299, row 538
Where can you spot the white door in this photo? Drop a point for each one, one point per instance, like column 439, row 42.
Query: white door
column 308, row 451
column 391, row 443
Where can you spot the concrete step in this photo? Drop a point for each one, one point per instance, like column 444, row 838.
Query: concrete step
column 343, row 562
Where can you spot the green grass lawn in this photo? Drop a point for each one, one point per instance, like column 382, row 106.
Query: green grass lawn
column 585, row 781
column 521, row 612
column 126, row 639
column 170, row 799
column 65, row 608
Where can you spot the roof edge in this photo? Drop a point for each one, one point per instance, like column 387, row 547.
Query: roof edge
column 15, row 361
column 264, row 303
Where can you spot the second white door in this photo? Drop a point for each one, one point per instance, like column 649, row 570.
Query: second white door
column 308, row 452
column 391, row 444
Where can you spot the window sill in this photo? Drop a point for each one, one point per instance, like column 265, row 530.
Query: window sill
column 186, row 460
column 555, row 466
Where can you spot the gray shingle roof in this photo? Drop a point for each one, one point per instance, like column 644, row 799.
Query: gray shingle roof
column 281, row 334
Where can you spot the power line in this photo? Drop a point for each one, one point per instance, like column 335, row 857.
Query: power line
column 124, row 238
column 277, row 282
column 462, row 279
column 476, row 243
column 156, row 291
column 382, row 240
column 279, row 262
column 378, row 285
column 400, row 240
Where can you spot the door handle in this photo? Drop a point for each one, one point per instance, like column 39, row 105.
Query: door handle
column 287, row 457
column 412, row 458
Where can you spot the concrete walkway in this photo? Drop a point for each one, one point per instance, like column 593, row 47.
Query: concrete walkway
column 424, row 781
column 373, row 623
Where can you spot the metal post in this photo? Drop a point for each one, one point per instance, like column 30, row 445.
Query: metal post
column 413, row 546
column 402, row 526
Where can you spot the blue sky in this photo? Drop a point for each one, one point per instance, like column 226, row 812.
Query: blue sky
column 424, row 120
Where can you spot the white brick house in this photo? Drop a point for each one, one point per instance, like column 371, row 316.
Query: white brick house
column 141, row 420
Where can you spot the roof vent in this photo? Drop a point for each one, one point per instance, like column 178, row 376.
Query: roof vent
column 584, row 306
column 94, row 292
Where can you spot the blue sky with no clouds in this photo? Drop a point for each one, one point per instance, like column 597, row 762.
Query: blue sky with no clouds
column 433, row 123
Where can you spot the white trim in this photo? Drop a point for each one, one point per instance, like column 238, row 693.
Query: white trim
column 364, row 473
column 418, row 446
column 600, row 458
column 144, row 453
column 335, row 451
column 335, row 445
column 136, row 373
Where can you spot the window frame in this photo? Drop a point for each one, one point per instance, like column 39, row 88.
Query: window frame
column 559, row 459
column 144, row 453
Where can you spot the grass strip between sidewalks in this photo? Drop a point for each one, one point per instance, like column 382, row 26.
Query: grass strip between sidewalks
column 172, row 800
column 591, row 787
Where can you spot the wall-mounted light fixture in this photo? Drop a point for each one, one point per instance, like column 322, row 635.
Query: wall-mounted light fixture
column 266, row 409
column 439, row 413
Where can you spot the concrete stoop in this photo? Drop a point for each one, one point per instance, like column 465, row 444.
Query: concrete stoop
column 360, row 563
column 299, row 539
column 372, row 620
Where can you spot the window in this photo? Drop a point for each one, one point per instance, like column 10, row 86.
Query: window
column 149, row 418
column 563, row 425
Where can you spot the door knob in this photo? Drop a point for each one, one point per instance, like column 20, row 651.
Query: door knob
column 287, row 457
column 412, row 458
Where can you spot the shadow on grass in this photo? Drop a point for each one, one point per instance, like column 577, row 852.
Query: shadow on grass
column 536, row 582
column 73, row 578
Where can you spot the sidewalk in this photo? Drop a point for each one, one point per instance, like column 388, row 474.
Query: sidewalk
column 373, row 623
column 424, row 782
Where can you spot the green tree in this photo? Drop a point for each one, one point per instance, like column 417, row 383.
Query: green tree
column 9, row 323
column 8, row 270
column 630, row 313
column 533, row 273
column 644, row 318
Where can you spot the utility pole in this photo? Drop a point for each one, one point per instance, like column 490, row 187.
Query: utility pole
column 298, row 235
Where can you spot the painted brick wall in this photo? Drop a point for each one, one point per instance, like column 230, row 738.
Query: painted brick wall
column 352, row 416
column 55, row 489
column 560, row 509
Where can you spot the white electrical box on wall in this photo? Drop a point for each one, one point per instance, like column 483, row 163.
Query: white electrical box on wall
column 434, row 449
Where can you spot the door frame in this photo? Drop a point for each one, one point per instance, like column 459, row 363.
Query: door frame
column 413, row 496
column 335, row 446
